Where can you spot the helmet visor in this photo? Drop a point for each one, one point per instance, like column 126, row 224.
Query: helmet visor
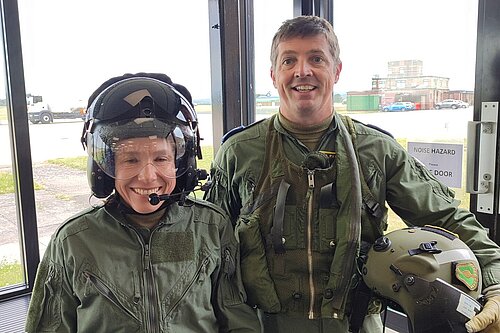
column 141, row 98
column 125, row 149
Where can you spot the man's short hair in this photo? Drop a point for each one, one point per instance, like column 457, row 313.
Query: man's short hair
column 305, row 26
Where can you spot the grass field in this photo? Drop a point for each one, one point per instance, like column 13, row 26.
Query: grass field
column 7, row 183
column 203, row 108
column 3, row 112
column 10, row 273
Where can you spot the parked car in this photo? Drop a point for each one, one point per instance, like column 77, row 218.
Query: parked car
column 399, row 106
column 451, row 104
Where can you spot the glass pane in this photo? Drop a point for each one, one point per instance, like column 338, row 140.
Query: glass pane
column 69, row 49
column 11, row 267
column 269, row 15
column 400, row 73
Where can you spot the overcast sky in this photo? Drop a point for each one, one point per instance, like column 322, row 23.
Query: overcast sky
column 70, row 47
column 441, row 33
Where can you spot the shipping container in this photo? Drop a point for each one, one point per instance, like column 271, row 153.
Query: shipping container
column 363, row 102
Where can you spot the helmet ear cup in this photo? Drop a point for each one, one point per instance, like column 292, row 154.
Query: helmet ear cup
column 100, row 183
column 189, row 180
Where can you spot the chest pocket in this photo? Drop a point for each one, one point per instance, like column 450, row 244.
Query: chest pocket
column 328, row 209
column 321, row 219
column 117, row 310
column 299, row 214
column 192, row 282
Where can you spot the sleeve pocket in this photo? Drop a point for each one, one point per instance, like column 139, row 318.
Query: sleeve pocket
column 51, row 316
column 44, row 312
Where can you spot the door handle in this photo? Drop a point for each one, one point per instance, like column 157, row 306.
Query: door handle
column 481, row 156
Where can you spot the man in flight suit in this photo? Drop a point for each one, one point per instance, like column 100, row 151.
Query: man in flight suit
column 307, row 187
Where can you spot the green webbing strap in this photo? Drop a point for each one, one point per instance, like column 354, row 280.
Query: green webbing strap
column 279, row 215
column 327, row 196
column 362, row 294
column 369, row 201
column 262, row 198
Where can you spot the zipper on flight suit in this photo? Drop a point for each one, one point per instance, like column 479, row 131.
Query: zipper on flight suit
column 310, row 206
column 151, row 298
column 197, row 277
column 151, row 295
column 137, row 287
column 229, row 266
column 50, row 292
column 105, row 291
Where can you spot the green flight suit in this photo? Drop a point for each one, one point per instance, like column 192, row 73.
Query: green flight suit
column 101, row 274
column 247, row 174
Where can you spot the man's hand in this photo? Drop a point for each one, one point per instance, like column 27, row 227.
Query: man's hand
column 488, row 320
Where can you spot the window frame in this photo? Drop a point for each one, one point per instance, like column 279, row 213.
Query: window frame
column 20, row 149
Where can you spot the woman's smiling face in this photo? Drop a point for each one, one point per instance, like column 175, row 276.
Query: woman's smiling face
column 144, row 166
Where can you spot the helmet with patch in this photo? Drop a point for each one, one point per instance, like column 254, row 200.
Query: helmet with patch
column 430, row 273
column 143, row 105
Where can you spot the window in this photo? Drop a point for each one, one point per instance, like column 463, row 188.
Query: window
column 409, row 50
column 69, row 49
column 269, row 15
column 11, row 260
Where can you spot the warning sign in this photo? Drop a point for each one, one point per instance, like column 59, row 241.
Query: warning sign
column 444, row 161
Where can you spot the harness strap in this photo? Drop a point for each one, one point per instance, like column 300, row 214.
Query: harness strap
column 261, row 199
column 327, row 196
column 279, row 214
column 371, row 205
column 362, row 294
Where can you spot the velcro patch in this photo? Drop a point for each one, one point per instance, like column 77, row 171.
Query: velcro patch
column 172, row 247
column 467, row 273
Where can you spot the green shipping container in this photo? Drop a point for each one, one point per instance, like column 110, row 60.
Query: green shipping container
column 363, row 103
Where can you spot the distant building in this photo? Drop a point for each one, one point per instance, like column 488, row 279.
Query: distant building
column 406, row 83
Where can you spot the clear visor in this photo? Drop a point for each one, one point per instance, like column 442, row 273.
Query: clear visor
column 123, row 150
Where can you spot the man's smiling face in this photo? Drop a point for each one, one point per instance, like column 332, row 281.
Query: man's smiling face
column 304, row 75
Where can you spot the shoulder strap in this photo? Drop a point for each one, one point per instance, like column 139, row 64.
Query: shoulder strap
column 369, row 201
column 238, row 129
